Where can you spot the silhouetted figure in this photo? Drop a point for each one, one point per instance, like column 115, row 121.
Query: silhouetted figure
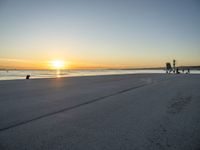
column 177, row 71
column 28, row 76
column 188, row 70
column 168, row 67
column 183, row 70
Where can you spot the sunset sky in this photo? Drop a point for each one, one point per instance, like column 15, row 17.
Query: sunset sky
column 99, row 33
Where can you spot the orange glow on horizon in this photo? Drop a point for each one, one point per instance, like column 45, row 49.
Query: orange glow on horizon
column 60, row 64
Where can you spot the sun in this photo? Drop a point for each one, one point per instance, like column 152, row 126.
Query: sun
column 58, row 64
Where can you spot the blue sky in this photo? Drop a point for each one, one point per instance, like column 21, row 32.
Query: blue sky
column 126, row 33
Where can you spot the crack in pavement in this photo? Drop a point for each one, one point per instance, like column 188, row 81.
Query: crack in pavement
column 72, row 107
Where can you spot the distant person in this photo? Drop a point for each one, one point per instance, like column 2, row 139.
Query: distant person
column 188, row 70
column 177, row 71
column 28, row 76
column 183, row 70
column 168, row 67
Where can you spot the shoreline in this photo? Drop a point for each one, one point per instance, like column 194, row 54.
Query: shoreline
column 106, row 75
column 81, row 76
column 88, row 75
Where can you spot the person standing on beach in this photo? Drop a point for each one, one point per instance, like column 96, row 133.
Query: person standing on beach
column 188, row 70
column 177, row 71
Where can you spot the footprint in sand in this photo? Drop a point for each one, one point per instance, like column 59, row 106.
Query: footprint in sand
column 178, row 104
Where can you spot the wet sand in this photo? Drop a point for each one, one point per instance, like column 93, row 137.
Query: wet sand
column 143, row 111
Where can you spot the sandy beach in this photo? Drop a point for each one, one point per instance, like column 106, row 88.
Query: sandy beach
column 113, row 112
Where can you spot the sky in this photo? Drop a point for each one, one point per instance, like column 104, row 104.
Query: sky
column 99, row 33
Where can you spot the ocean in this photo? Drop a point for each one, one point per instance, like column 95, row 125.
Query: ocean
column 21, row 74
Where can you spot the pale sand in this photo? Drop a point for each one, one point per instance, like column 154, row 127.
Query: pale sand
column 119, row 112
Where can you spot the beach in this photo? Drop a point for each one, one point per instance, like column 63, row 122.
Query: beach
column 109, row 112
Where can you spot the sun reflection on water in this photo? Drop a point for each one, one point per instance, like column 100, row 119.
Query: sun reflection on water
column 58, row 73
